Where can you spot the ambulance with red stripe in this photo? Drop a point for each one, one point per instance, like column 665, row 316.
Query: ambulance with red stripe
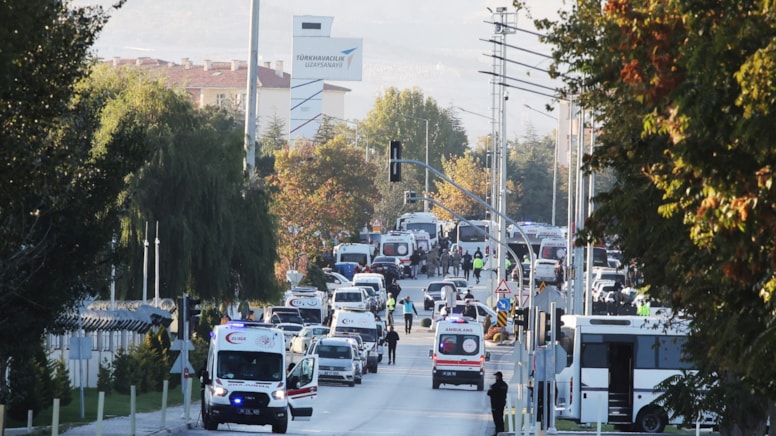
column 459, row 354
column 245, row 380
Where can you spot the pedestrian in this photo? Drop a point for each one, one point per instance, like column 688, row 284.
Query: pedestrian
column 394, row 289
column 498, row 400
column 478, row 253
column 444, row 263
column 468, row 295
column 415, row 263
column 466, row 264
column 478, row 264
column 456, row 259
column 409, row 309
column 391, row 337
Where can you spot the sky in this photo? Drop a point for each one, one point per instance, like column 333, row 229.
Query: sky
column 434, row 46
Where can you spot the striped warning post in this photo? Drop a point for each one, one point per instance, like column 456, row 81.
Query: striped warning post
column 502, row 318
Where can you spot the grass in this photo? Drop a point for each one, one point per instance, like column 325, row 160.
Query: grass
column 115, row 405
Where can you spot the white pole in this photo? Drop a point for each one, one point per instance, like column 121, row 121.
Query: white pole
column 132, row 403
column 55, row 418
column 250, row 110
column 113, row 276
column 145, row 265
column 156, row 273
column 165, row 388
column 100, row 411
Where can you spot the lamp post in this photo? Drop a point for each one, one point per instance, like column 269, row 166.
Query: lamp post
column 425, row 202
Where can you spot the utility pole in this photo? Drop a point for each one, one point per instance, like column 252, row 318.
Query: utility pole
column 250, row 110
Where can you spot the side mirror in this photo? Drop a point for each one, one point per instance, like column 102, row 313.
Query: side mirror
column 487, row 356
column 430, row 353
column 204, row 377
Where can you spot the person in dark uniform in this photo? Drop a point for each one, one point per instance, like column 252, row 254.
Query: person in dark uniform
column 391, row 338
column 498, row 400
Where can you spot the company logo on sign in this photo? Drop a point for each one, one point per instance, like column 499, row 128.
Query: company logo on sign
column 235, row 338
column 347, row 321
column 345, row 59
column 265, row 342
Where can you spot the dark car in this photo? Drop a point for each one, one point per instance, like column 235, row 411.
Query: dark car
column 389, row 267
column 433, row 293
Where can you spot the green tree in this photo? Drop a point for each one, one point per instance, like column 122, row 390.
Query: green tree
column 216, row 236
column 59, row 193
column 402, row 115
column 684, row 95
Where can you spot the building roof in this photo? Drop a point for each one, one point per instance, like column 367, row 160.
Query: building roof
column 215, row 75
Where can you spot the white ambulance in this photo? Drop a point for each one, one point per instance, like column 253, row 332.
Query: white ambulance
column 245, row 380
column 362, row 323
column 313, row 304
column 459, row 354
column 400, row 245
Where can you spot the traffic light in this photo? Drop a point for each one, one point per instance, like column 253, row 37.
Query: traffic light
column 557, row 323
column 192, row 314
column 409, row 197
column 394, row 168
column 521, row 318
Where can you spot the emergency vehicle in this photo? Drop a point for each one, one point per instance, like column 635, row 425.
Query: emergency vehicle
column 361, row 254
column 245, row 380
column 400, row 245
column 458, row 356
column 362, row 323
column 313, row 304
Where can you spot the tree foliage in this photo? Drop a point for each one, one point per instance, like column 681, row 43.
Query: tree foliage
column 322, row 192
column 58, row 192
column 469, row 173
column 684, row 92
column 402, row 115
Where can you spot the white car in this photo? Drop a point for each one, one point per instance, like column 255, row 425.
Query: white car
column 290, row 329
column 301, row 342
column 461, row 284
column 336, row 280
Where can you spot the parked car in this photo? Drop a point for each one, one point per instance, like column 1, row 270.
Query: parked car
column 433, row 292
column 290, row 330
column 301, row 342
column 336, row 280
column 388, row 266
column 336, row 360
column 461, row 284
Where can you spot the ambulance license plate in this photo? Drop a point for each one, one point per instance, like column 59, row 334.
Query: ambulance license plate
column 448, row 373
column 328, row 373
column 251, row 412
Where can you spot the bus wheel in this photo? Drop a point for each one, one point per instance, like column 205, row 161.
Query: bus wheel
column 651, row 420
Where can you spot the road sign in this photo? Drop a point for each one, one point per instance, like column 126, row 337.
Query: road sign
column 503, row 304
column 178, row 367
column 503, row 287
column 502, row 319
column 542, row 286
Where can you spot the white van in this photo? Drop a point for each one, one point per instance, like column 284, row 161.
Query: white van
column 350, row 297
column 459, row 354
column 245, row 380
column 313, row 305
column 362, row 323
column 376, row 281
column 553, row 248
column 362, row 254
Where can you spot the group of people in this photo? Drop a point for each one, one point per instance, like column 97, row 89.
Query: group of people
column 440, row 261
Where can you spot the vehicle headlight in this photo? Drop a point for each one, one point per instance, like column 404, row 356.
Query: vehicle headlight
column 279, row 394
column 220, row 391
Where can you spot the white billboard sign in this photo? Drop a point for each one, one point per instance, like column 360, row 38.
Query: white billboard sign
column 327, row 58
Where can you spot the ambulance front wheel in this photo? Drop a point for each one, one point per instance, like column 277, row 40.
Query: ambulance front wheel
column 434, row 383
column 280, row 427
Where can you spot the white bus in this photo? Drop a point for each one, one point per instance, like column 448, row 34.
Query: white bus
column 469, row 238
column 613, row 365
column 425, row 221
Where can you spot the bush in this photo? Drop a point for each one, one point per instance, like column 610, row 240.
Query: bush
column 105, row 377
column 425, row 322
column 60, row 382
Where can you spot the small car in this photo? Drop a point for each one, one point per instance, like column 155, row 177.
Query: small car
column 301, row 342
column 336, row 360
column 290, row 330
column 433, row 292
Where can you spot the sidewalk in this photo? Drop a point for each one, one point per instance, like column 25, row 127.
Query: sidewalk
column 149, row 423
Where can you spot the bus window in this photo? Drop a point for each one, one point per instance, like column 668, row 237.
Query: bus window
column 670, row 353
column 594, row 355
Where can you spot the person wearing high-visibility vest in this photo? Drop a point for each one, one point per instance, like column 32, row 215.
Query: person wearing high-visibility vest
column 478, row 265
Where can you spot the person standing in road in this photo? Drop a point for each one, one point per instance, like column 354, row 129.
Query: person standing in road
column 478, row 253
column 498, row 400
column 415, row 264
column 466, row 264
column 456, row 259
column 409, row 309
column 391, row 338
column 444, row 263
column 478, row 264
